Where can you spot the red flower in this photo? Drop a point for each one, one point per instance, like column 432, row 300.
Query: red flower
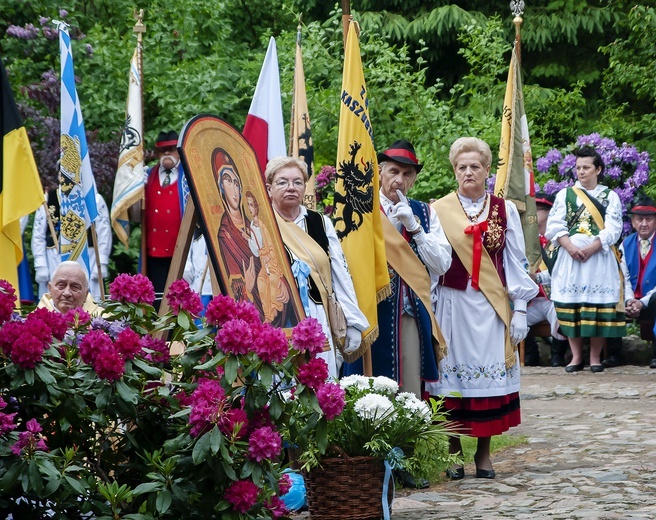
column 248, row 312
column 7, row 300
column 308, row 335
column 234, row 422
column 277, row 507
column 160, row 350
column 207, row 404
column 235, row 337
column 77, row 317
column 313, row 374
column 269, row 343
column 55, row 321
column 109, row 364
column 284, row 484
column 132, row 289
column 128, row 343
column 242, row 494
column 9, row 334
column 94, row 342
column 220, row 309
column 182, row 298
column 332, row 399
column 264, row 443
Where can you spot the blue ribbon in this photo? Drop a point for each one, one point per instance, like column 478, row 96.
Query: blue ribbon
column 391, row 462
column 301, row 271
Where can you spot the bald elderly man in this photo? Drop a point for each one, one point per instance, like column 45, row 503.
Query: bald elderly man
column 69, row 289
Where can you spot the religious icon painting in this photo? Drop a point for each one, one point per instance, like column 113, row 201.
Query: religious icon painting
column 241, row 232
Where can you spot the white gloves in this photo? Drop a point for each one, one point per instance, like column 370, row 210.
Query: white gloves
column 518, row 327
column 42, row 275
column 353, row 340
column 403, row 213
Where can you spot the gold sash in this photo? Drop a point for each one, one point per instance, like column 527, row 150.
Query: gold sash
column 402, row 258
column 454, row 221
column 307, row 250
column 596, row 216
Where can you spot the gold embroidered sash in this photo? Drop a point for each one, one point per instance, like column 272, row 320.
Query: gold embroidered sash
column 454, row 221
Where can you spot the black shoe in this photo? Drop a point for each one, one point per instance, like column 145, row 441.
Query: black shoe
column 653, row 363
column 558, row 361
column 596, row 368
column 408, row 481
column 575, row 368
column 612, row 362
column 485, row 473
column 455, row 473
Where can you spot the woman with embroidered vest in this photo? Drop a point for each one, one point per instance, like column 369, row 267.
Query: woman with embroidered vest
column 318, row 261
column 586, row 222
column 472, row 305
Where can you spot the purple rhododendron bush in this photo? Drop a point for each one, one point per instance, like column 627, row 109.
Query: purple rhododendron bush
column 99, row 420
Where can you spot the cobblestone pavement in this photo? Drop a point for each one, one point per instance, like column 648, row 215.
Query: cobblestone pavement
column 590, row 454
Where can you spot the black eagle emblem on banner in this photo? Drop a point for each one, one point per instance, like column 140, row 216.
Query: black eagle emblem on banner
column 356, row 196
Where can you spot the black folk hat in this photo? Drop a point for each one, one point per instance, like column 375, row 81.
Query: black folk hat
column 166, row 139
column 402, row 152
column 644, row 206
column 544, row 199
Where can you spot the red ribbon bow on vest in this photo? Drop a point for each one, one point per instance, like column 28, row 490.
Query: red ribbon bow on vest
column 477, row 230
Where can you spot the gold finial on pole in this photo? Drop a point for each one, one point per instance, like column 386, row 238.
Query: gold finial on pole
column 517, row 9
column 139, row 27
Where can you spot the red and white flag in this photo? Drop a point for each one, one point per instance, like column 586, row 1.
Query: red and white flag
column 264, row 128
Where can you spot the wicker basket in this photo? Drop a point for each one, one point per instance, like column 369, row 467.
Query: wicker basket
column 346, row 489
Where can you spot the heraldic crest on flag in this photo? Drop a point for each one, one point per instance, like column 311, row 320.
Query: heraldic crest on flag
column 78, row 187
column 356, row 174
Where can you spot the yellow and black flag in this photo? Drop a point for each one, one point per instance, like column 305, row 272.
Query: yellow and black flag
column 21, row 192
column 357, row 204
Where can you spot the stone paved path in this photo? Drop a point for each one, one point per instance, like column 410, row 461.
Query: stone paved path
column 591, row 454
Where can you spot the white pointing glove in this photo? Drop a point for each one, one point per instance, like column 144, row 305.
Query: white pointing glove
column 518, row 327
column 403, row 213
column 353, row 340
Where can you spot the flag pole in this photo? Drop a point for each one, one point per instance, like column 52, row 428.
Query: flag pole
column 346, row 18
column 101, row 281
column 51, row 226
column 292, row 122
column 139, row 28
column 517, row 9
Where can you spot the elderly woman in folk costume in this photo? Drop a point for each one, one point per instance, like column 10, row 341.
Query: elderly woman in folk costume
column 471, row 303
column 317, row 258
column 586, row 222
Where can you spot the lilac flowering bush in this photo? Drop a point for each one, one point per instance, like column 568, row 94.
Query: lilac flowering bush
column 132, row 415
column 626, row 172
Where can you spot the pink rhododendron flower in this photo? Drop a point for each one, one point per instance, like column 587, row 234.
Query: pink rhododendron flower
column 242, row 494
column 77, row 317
column 160, row 350
column 235, row 337
column 132, row 289
column 6, row 419
column 332, row 399
column 313, row 374
column 92, row 343
column 128, row 343
column 9, row 334
column 30, row 440
column 264, row 443
column 28, row 349
column 308, row 336
column 234, row 422
column 277, row 507
column 182, row 298
column 248, row 312
column 207, row 405
column 55, row 321
column 7, row 300
column 220, row 309
column 284, row 484
column 269, row 343
column 109, row 364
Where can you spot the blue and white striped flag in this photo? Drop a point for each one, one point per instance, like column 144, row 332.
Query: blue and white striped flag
column 77, row 185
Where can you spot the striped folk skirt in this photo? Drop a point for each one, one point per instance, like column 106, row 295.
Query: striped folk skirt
column 483, row 416
column 590, row 320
